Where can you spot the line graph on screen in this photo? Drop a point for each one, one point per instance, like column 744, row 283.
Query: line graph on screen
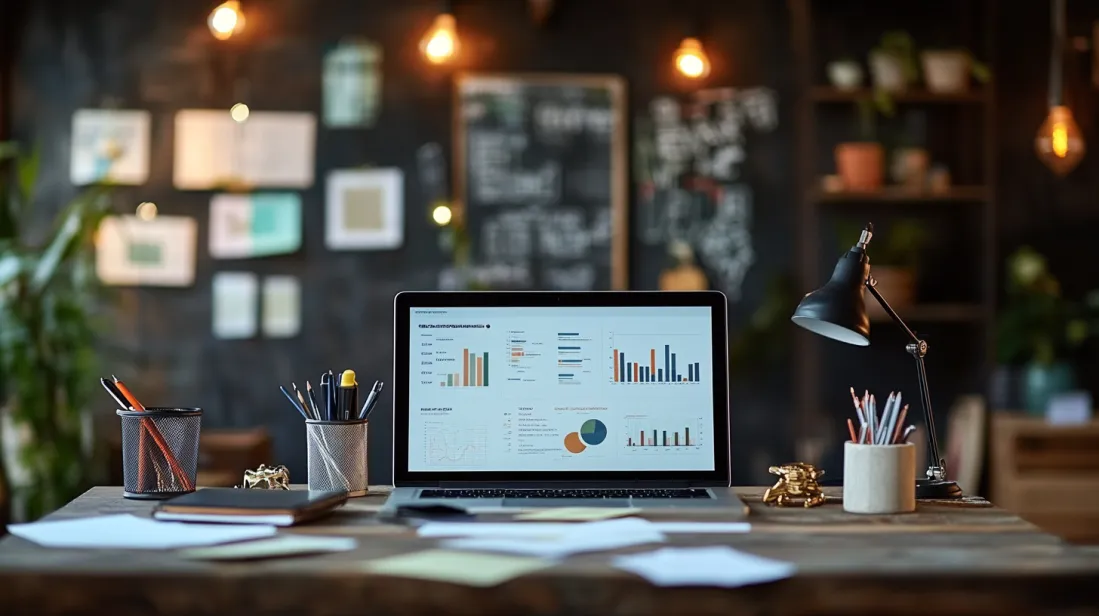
column 449, row 446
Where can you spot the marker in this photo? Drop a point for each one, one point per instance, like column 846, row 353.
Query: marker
column 348, row 395
column 371, row 399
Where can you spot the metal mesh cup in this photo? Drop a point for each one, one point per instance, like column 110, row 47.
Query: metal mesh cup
column 337, row 455
column 159, row 451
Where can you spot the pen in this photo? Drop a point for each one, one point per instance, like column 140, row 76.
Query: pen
column 332, row 396
column 115, row 393
column 312, row 400
column 326, row 386
column 293, row 402
column 348, row 395
column 371, row 399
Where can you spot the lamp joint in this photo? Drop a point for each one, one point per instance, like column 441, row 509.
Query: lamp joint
column 917, row 348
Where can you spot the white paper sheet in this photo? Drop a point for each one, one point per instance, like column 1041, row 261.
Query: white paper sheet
column 364, row 209
column 109, row 144
column 268, row 149
column 235, row 304
column 557, row 529
column 254, row 225
column 707, row 566
column 158, row 252
column 275, row 547
column 577, row 539
column 127, row 531
column 281, row 306
column 702, row 527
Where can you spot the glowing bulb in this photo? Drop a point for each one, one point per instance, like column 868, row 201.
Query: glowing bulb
column 146, row 210
column 239, row 112
column 442, row 215
column 226, row 20
column 440, row 44
column 690, row 60
column 1059, row 143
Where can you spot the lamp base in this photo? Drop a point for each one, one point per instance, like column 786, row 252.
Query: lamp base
column 938, row 490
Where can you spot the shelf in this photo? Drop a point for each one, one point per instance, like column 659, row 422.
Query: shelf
column 935, row 313
column 897, row 194
column 828, row 94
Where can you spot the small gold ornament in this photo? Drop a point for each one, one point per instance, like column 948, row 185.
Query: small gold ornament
column 264, row 478
column 796, row 485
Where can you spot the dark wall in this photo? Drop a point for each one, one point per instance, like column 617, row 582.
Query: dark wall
column 160, row 56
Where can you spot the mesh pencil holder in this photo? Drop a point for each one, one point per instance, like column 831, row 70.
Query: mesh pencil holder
column 159, row 451
column 337, row 455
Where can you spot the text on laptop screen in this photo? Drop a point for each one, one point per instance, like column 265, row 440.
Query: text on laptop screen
column 561, row 389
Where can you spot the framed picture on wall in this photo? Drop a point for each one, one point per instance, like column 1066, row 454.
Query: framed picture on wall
column 364, row 209
column 541, row 180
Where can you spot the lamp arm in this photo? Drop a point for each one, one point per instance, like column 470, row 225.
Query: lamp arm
column 917, row 349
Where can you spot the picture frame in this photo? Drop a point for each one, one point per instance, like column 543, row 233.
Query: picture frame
column 364, row 209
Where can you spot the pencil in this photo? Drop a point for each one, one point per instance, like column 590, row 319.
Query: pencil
column 900, row 423
column 301, row 399
column 851, row 429
column 312, row 400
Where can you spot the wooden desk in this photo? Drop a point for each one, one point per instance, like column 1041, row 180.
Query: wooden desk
column 939, row 560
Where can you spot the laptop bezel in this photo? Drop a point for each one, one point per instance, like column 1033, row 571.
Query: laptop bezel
column 404, row 302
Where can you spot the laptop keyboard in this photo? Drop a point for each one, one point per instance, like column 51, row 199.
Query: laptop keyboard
column 566, row 493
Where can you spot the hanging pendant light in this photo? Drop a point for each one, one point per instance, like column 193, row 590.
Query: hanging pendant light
column 1059, row 143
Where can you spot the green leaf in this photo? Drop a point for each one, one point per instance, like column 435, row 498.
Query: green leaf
column 10, row 266
column 27, row 174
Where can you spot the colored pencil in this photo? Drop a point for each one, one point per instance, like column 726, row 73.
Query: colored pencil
column 851, row 429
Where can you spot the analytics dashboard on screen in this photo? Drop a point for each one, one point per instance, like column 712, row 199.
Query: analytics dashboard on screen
column 561, row 389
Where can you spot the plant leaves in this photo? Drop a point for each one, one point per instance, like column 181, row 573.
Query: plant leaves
column 27, row 174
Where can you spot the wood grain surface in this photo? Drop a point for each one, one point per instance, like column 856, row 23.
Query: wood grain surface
column 946, row 559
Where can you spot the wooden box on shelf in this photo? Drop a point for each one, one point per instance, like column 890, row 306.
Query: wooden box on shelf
column 1048, row 474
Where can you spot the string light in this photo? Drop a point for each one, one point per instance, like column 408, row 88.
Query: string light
column 226, row 20
column 239, row 112
column 691, row 60
column 440, row 43
column 442, row 215
column 146, row 210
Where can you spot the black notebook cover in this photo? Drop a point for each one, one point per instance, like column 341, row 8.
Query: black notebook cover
column 298, row 504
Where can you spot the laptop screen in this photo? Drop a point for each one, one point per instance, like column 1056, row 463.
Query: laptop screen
column 568, row 388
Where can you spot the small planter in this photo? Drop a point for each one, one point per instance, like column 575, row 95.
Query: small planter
column 860, row 165
column 887, row 71
column 910, row 168
column 946, row 72
column 897, row 285
column 845, row 74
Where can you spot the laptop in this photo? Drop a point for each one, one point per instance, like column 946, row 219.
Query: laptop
column 542, row 399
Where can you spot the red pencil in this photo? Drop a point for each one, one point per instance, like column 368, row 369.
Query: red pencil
column 851, row 429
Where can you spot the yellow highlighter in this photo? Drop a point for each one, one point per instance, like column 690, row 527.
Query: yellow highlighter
column 347, row 396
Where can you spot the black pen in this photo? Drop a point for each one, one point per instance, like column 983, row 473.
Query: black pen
column 312, row 400
column 371, row 399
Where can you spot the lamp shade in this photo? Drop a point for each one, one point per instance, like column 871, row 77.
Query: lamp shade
column 836, row 310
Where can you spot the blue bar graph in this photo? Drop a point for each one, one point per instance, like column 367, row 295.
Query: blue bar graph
column 646, row 370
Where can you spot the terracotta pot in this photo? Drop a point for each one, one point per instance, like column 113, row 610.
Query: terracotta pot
column 887, row 72
column 896, row 284
column 845, row 74
column 910, row 167
column 860, row 165
column 946, row 72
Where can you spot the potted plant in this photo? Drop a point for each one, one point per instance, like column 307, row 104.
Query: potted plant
column 860, row 164
column 894, row 262
column 893, row 62
column 46, row 337
column 845, row 73
column 948, row 70
column 1036, row 329
column 910, row 161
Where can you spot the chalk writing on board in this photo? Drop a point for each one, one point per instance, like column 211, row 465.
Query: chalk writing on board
column 431, row 172
column 690, row 158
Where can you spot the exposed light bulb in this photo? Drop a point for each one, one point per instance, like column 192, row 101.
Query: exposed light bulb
column 226, row 20
column 440, row 44
column 146, row 210
column 691, row 60
column 1059, row 143
column 239, row 112
column 442, row 215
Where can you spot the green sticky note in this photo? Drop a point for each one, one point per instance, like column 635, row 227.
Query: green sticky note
column 276, row 223
column 467, row 568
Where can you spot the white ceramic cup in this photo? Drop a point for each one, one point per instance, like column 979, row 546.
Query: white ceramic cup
column 879, row 478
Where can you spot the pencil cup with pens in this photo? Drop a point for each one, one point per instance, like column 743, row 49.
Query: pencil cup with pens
column 159, row 445
column 336, row 431
column 879, row 465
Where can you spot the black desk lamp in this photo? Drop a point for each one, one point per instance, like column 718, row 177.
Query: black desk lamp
column 837, row 311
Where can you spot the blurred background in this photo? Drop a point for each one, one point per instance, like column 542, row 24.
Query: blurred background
column 211, row 200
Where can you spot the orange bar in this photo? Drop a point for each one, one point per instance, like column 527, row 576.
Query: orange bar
column 635, row 373
column 516, row 354
column 616, row 365
column 480, row 367
column 465, row 367
column 652, row 362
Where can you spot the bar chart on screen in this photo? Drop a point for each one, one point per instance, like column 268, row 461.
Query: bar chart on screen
column 648, row 435
column 657, row 359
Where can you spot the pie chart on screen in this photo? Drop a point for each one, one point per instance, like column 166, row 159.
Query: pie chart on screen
column 573, row 443
column 593, row 432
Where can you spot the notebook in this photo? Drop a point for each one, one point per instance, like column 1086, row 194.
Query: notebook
column 244, row 506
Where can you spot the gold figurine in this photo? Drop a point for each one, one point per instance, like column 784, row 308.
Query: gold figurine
column 263, row 478
column 797, row 484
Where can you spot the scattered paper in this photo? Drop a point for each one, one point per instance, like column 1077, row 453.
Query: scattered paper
column 702, row 527
column 282, row 545
column 157, row 252
column 457, row 567
column 577, row 514
column 708, row 566
column 364, row 209
column 254, row 225
column 577, row 539
column 352, row 84
column 213, row 150
column 125, row 531
column 558, row 529
column 235, row 299
column 109, row 145
column 281, row 306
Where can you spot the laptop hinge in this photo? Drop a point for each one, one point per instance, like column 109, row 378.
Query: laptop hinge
column 576, row 485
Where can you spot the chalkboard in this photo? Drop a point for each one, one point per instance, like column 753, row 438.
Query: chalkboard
column 540, row 178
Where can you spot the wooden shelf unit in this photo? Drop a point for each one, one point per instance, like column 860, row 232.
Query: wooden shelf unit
column 900, row 194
